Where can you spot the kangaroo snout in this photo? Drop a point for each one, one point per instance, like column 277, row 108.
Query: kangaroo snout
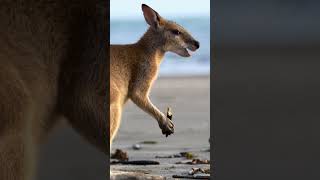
column 194, row 45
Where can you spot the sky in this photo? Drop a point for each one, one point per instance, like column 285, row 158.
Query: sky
column 131, row 9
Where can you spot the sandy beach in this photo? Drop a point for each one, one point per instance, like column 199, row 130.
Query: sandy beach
column 189, row 98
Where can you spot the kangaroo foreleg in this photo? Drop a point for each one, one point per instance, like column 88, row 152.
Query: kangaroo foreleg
column 142, row 100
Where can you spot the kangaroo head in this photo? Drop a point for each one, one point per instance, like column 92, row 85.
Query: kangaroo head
column 173, row 37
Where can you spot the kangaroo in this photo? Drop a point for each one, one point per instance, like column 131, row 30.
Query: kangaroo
column 134, row 68
column 53, row 64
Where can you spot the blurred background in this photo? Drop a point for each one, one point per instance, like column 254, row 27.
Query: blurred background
column 66, row 155
column 183, row 84
column 273, row 23
column 266, row 89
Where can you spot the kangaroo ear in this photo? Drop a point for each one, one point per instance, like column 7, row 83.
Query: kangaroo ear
column 151, row 16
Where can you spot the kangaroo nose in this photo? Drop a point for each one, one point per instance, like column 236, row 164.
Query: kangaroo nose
column 197, row 44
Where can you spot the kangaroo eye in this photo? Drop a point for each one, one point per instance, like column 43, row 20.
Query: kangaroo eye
column 176, row 32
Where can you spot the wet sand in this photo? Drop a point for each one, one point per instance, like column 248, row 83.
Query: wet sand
column 189, row 100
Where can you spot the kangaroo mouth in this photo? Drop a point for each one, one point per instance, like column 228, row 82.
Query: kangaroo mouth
column 185, row 52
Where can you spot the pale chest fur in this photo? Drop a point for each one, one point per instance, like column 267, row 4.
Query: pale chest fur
column 146, row 72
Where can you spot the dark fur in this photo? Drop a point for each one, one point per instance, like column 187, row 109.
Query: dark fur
column 53, row 62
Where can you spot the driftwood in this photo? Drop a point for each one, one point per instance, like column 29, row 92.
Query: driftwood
column 194, row 161
column 169, row 113
column 122, row 175
column 139, row 162
column 148, row 142
column 170, row 156
column 120, row 155
column 192, row 176
column 199, row 170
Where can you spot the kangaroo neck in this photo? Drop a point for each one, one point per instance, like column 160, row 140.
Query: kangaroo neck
column 151, row 44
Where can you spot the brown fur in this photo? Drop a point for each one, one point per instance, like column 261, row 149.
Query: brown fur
column 52, row 64
column 134, row 68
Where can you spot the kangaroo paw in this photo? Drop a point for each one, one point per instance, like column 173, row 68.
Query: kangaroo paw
column 167, row 125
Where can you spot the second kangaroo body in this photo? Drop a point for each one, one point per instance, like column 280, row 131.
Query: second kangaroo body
column 134, row 67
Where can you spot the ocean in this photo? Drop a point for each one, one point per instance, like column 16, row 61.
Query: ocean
column 129, row 31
